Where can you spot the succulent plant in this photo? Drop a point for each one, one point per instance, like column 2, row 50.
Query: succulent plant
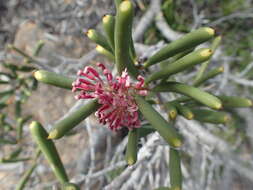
column 125, row 100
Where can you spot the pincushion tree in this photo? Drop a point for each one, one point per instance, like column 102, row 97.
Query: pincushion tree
column 129, row 97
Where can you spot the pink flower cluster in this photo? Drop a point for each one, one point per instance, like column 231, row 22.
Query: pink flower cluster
column 119, row 108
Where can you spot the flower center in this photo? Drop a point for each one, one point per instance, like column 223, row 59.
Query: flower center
column 118, row 108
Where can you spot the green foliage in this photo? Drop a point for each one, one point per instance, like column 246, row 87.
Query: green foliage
column 17, row 85
column 186, row 42
column 195, row 93
column 181, row 64
column 178, row 56
column 175, row 169
column 132, row 146
column 47, row 147
column 53, row 79
column 165, row 129
column 123, row 38
column 24, row 179
column 230, row 6
column 66, row 124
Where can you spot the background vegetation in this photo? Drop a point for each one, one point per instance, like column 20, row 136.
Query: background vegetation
column 51, row 36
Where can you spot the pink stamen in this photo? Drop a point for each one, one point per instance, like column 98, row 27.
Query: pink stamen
column 140, row 83
column 118, row 108
column 91, row 70
column 84, row 81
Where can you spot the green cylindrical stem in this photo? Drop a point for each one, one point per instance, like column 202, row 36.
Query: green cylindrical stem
column 49, row 150
column 235, row 101
column 12, row 47
column 193, row 92
column 185, row 62
column 117, row 3
column 165, row 129
column 204, row 78
column 53, row 79
column 7, row 75
column 210, row 116
column 188, row 41
column 122, row 38
column 175, row 170
column 145, row 130
column 172, row 110
column 66, row 124
column 209, row 75
column 106, row 53
column 7, row 92
column 184, row 111
column 168, row 8
column 109, row 25
column 70, row 186
column 20, row 125
column 216, row 42
column 15, row 153
column 204, row 66
column 165, row 63
column 7, row 141
column 24, row 179
column 99, row 39
column 132, row 147
column 17, row 108
column 10, row 66
column 25, row 68
column 132, row 49
column 4, row 82
column 7, row 160
column 38, row 47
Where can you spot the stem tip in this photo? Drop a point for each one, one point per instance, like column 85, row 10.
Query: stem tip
column 53, row 134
